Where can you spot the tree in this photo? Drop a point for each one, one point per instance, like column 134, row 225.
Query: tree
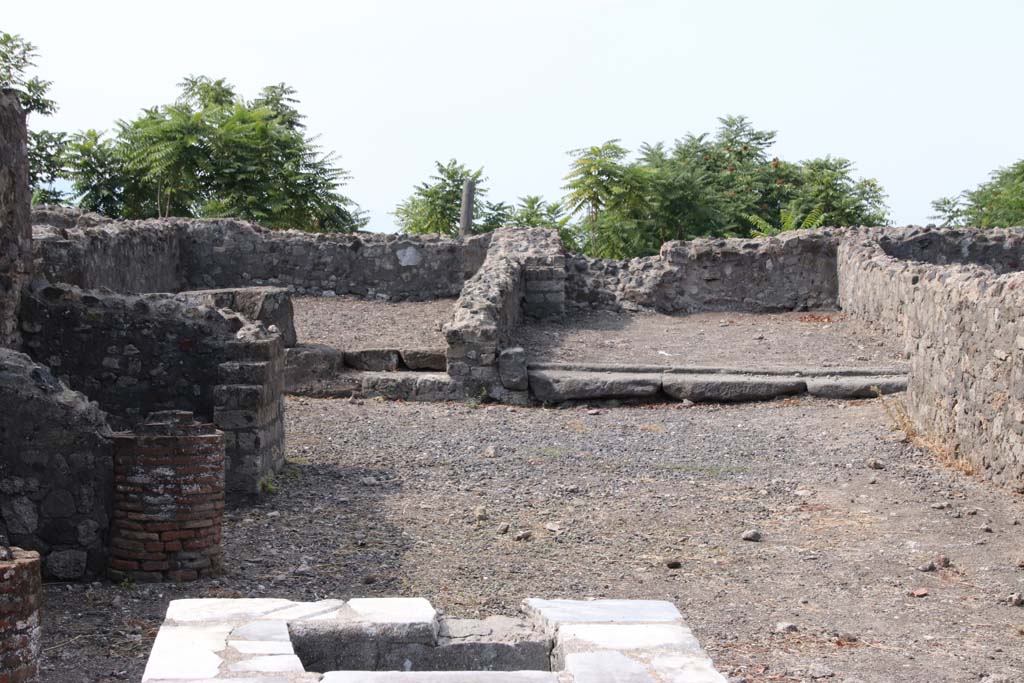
column 434, row 205
column 46, row 149
column 827, row 183
column 726, row 184
column 996, row 203
column 213, row 153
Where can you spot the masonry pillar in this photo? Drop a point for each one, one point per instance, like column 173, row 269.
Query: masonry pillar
column 21, row 590
column 15, row 215
column 168, row 500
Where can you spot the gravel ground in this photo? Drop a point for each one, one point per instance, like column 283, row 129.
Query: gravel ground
column 385, row 498
column 353, row 324
column 821, row 339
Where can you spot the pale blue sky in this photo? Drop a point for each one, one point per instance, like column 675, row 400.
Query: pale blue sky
column 925, row 96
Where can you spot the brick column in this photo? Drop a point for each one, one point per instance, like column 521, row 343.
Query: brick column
column 168, row 500
column 20, row 592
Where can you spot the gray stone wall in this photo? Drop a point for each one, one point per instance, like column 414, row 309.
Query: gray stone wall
column 963, row 333
column 794, row 271
column 55, row 470
column 132, row 257
column 141, row 354
column 1001, row 251
column 170, row 255
column 249, row 408
column 272, row 306
column 235, row 254
column 490, row 307
column 15, row 225
column 523, row 274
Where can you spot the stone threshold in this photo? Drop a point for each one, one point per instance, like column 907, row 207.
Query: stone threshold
column 799, row 371
column 405, row 640
column 719, row 385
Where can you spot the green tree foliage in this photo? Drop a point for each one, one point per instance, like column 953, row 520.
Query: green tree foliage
column 213, row 153
column 46, row 149
column 998, row 203
column 790, row 220
column 435, row 205
column 720, row 185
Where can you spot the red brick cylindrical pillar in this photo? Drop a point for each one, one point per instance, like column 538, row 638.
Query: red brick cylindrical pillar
column 21, row 589
column 168, row 500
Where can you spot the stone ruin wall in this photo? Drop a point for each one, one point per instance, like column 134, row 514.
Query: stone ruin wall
column 54, row 444
column 523, row 275
column 962, row 331
column 172, row 255
column 15, row 225
column 55, row 470
column 91, row 252
column 138, row 354
column 794, row 271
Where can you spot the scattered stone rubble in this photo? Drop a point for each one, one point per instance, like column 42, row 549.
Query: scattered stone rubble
column 404, row 640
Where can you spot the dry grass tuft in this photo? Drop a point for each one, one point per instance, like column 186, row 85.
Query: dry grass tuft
column 943, row 452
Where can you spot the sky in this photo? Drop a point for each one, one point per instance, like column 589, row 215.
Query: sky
column 924, row 96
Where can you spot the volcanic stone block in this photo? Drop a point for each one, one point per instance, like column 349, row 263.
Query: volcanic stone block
column 855, row 387
column 380, row 360
column 318, row 370
column 730, row 388
column 424, row 359
column 512, row 369
column 556, row 386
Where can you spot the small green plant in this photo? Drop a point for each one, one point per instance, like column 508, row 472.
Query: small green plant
column 789, row 220
column 268, row 484
column 125, row 583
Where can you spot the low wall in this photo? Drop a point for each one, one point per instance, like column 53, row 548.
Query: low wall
column 269, row 305
column 55, row 470
column 234, row 254
column 523, row 274
column 963, row 333
column 136, row 355
column 171, row 254
column 794, row 271
column 1001, row 251
column 133, row 257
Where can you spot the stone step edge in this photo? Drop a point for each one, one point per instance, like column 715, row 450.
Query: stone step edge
column 554, row 386
column 838, row 371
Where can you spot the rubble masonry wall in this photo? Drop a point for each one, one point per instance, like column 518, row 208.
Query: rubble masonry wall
column 172, row 254
column 136, row 355
column 964, row 336
column 794, row 271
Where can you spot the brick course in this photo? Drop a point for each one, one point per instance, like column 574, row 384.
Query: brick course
column 20, row 596
column 169, row 479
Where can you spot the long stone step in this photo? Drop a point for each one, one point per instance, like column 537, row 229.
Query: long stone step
column 715, row 385
column 802, row 371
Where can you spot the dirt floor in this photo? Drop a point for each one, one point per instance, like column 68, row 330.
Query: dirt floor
column 385, row 498
column 354, row 324
column 818, row 339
